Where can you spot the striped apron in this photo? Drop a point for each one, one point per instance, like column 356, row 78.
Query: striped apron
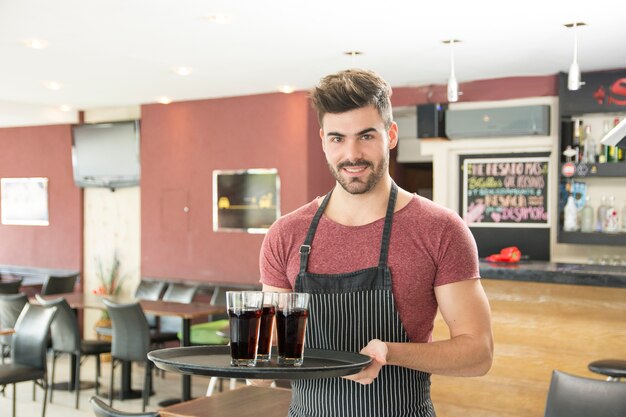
column 346, row 312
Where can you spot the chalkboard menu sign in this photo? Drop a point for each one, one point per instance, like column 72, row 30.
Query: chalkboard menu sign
column 245, row 200
column 506, row 192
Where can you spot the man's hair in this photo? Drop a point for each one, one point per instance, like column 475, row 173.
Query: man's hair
column 352, row 89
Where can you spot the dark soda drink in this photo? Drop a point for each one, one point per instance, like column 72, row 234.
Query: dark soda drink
column 265, row 333
column 291, row 328
column 244, row 333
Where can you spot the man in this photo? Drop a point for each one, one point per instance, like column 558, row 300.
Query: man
column 378, row 262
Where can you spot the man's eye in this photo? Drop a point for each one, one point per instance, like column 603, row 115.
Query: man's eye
column 336, row 139
column 367, row 137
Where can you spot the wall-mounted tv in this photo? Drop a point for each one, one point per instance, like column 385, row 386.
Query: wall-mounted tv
column 245, row 200
column 106, row 154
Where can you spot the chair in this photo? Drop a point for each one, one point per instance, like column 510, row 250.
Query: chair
column 59, row 285
column 150, row 290
column 66, row 339
column 170, row 326
column 131, row 342
column 575, row 396
column 10, row 286
column 613, row 369
column 10, row 308
column 28, row 351
column 100, row 409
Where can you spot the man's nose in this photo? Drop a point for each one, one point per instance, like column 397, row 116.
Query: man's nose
column 353, row 150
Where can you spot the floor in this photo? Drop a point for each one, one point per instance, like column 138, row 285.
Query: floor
column 63, row 405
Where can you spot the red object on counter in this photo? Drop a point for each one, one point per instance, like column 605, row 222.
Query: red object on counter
column 510, row 254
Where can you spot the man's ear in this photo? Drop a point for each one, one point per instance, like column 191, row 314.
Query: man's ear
column 393, row 135
column 322, row 138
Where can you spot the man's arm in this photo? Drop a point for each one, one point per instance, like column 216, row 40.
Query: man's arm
column 468, row 351
column 269, row 288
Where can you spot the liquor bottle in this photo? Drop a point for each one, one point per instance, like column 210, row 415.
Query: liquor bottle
column 570, row 222
column 576, row 143
column 619, row 152
column 589, row 147
column 586, row 217
column 604, row 151
column 611, row 221
column 601, row 214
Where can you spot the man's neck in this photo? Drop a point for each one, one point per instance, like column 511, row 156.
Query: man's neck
column 359, row 209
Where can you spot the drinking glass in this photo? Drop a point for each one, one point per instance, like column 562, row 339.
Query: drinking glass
column 266, row 330
column 244, row 314
column 291, row 318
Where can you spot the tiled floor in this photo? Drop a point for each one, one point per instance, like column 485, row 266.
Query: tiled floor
column 63, row 405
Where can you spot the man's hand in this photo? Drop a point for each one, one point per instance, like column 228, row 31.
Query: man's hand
column 377, row 350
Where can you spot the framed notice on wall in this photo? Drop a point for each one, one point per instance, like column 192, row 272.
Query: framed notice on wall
column 245, row 200
column 24, row 201
column 506, row 191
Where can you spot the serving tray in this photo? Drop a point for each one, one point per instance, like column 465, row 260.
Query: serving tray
column 215, row 361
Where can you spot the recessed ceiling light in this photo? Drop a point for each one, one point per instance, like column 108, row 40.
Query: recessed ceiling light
column 287, row 89
column 35, row 43
column 220, row 19
column 183, row 71
column 52, row 85
column 164, row 100
column 65, row 108
column 353, row 53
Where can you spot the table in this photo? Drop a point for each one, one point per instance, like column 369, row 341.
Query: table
column 187, row 312
column 243, row 402
column 5, row 332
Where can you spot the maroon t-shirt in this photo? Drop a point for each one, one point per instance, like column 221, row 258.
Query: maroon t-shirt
column 430, row 246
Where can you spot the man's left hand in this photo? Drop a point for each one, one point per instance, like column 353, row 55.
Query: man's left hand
column 377, row 350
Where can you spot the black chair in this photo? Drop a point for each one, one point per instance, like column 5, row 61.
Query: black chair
column 10, row 308
column 150, row 290
column 100, row 409
column 575, row 396
column 169, row 327
column 66, row 339
column 59, row 285
column 10, row 286
column 28, row 351
column 131, row 342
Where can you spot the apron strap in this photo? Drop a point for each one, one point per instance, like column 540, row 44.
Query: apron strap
column 391, row 205
column 305, row 248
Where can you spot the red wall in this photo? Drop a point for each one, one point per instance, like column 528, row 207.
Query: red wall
column 43, row 151
column 182, row 143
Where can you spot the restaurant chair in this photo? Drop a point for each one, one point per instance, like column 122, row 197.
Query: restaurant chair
column 131, row 342
column 66, row 339
column 150, row 290
column 576, row 396
column 169, row 327
column 59, row 285
column 10, row 286
column 613, row 369
column 28, row 351
column 100, row 409
column 11, row 306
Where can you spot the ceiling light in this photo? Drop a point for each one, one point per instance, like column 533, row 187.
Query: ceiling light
column 164, row 100
column 573, row 76
column 65, row 108
column 220, row 19
column 183, row 71
column 52, row 85
column 453, row 85
column 353, row 53
column 287, row 89
column 35, row 43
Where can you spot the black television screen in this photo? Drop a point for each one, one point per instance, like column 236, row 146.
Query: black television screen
column 245, row 200
column 106, row 154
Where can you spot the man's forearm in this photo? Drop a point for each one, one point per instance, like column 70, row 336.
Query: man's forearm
column 463, row 355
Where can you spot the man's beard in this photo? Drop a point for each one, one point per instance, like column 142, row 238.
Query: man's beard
column 360, row 185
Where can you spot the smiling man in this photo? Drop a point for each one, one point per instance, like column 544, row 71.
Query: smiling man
column 378, row 262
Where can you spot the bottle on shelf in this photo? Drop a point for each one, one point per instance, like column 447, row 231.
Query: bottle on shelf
column 611, row 221
column 589, row 147
column 604, row 151
column 576, row 144
column 619, row 152
column 601, row 214
column 570, row 223
column 586, row 217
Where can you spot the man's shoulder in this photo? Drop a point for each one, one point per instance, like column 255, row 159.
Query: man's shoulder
column 301, row 215
column 424, row 208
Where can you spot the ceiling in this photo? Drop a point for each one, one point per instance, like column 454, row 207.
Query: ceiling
column 120, row 52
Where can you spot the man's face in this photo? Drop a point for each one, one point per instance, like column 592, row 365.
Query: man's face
column 357, row 145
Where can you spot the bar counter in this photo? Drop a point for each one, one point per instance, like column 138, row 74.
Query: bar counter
column 556, row 273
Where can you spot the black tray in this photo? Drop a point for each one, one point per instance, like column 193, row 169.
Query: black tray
column 215, row 361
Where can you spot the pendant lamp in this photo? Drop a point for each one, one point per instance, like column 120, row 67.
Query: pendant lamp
column 573, row 76
column 453, row 85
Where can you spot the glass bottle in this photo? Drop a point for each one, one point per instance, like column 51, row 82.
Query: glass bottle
column 587, row 217
column 570, row 222
column 604, row 152
column 589, row 147
column 619, row 152
column 611, row 221
column 601, row 214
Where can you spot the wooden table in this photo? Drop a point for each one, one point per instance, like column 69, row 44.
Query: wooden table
column 243, row 402
column 187, row 312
